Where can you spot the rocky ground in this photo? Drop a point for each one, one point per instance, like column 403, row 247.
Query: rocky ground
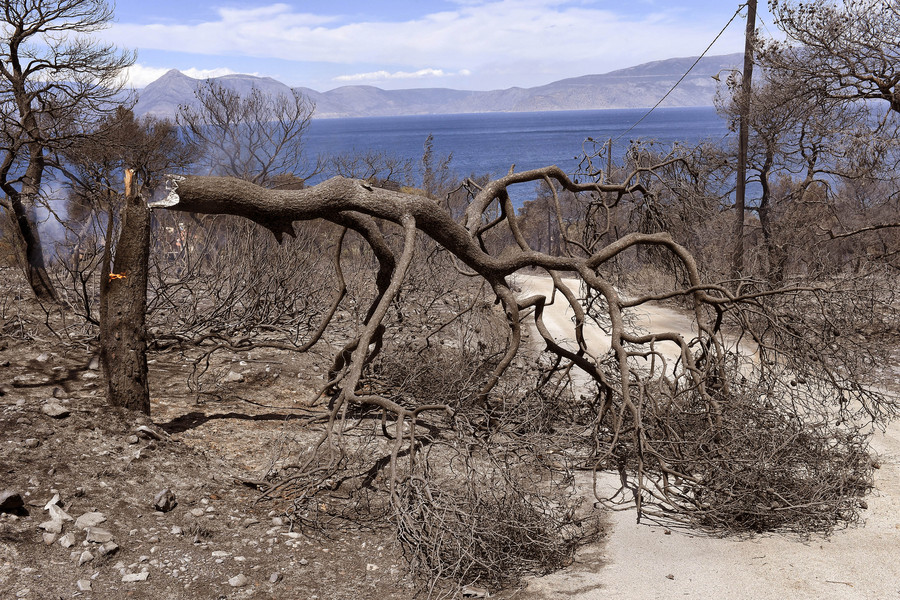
column 99, row 503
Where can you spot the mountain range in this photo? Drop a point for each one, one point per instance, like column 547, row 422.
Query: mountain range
column 640, row 86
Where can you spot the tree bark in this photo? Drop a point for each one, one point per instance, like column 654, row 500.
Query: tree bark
column 123, row 305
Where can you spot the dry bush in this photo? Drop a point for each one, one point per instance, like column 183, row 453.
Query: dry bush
column 16, row 318
column 486, row 513
column 760, row 467
column 223, row 284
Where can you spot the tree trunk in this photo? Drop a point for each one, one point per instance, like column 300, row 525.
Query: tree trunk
column 123, row 305
column 29, row 248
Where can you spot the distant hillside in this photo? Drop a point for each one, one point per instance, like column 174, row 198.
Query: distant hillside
column 635, row 87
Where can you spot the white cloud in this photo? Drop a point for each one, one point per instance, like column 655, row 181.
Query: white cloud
column 386, row 75
column 138, row 76
column 487, row 37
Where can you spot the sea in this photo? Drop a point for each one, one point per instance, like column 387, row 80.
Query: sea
column 490, row 143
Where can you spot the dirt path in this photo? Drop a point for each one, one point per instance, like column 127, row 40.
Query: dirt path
column 651, row 561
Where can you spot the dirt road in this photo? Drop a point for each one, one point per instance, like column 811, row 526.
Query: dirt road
column 640, row 562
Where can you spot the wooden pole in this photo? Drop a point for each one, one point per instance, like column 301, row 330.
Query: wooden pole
column 737, row 259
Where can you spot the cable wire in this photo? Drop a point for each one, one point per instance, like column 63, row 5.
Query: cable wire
column 686, row 73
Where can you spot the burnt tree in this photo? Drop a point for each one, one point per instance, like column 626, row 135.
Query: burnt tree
column 54, row 82
column 123, row 305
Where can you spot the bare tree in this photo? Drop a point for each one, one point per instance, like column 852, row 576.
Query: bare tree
column 256, row 137
column 54, row 82
column 843, row 50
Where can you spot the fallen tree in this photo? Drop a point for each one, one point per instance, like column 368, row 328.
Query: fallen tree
column 735, row 432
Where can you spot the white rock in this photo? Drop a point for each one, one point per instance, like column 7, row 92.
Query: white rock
column 238, row 581
column 132, row 577
column 53, row 526
column 58, row 514
column 68, row 540
column 55, row 410
column 84, row 585
column 470, row 591
column 99, row 535
column 234, row 377
column 85, row 557
column 89, row 519
column 108, row 548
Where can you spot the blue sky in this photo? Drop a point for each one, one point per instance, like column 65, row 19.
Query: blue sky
column 392, row 44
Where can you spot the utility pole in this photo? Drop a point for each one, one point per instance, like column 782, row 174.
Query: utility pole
column 737, row 259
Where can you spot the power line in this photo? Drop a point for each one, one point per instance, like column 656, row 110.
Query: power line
column 686, row 73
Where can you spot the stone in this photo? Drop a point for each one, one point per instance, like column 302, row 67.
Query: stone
column 85, row 557
column 43, row 357
column 88, row 375
column 55, row 410
column 56, row 513
column 470, row 591
column 94, row 365
column 89, row 519
column 109, row 548
column 132, row 439
column 238, row 580
column 49, row 538
column 132, row 577
column 98, row 535
column 84, row 585
column 234, row 377
column 197, row 512
column 220, row 553
column 32, row 443
column 176, row 530
column 165, row 500
column 59, row 393
column 68, row 540
column 11, row 501
column 52, row 526
column 275, row 577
